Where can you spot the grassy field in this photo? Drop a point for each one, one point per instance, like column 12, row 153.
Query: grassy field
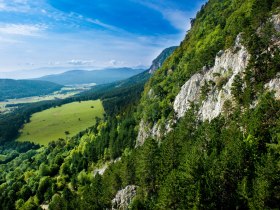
column 55, row 123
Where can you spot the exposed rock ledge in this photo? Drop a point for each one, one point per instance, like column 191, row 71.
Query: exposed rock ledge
column 124, row 197
column 102, row 170
column 220, row 78
column 274, row 85
column 156, row 131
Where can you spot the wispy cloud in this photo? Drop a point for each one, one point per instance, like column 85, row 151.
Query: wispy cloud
column 2, row 6
column 81, row 62
column 104, row 25
column 8, row 40
column 116, row 63
column 178, row 17
column 21, row 6
column 22, row 29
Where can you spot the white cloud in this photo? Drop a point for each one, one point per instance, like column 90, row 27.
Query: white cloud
column 8, row 40
column 176, row 17
column 81, row 62
column 22, row 29
column 54, row 63
column 15, row 5
column 2, row 6
column 104, row 25
column 179, row 19
column 114, row 62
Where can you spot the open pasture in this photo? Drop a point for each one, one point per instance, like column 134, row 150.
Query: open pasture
column 61, row 122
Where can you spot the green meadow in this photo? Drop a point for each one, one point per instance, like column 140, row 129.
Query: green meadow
column 61, row 122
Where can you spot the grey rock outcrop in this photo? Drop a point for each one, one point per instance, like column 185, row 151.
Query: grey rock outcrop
column 220, row 78
column 156, row 131
column 143, row 133
column 276, row 21
column 100, row 171
column 274, row 85
column 124, row 198
column 146, row 131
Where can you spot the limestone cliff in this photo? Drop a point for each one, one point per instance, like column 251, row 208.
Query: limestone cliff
column 218, row 80
column 211, row 88
column 124, row 197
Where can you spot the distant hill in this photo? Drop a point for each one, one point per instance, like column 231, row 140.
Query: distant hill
column 94, row 76
column 111, row 90
column 32, row 73
column 157, row 63
column 10, row 89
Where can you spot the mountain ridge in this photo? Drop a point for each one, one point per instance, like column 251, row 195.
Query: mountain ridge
column 159, row 60
column 91, row 76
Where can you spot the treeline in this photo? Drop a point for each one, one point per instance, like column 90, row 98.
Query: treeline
column 10, row 89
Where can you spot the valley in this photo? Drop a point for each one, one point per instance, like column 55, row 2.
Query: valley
column 61, row 122
column 65, row 92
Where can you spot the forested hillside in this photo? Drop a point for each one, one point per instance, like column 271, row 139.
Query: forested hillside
column 204, row 134
column 10, row 89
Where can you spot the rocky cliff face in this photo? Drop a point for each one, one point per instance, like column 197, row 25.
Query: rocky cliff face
column 124, row 197
column 211, row 88
column 218, row 79
column 156, row 131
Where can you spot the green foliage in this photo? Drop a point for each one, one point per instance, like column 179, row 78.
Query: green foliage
column 231, row 162
column 57, row 203
column 204, row 91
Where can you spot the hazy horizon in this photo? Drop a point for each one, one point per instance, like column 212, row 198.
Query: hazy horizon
column 45, row 71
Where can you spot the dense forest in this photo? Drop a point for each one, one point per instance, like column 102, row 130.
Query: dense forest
column 229, row 162
column 10, row 89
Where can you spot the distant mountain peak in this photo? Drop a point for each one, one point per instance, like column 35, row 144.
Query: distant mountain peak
column 157, row 63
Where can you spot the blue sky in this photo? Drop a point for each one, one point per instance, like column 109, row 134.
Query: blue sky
column 89, row 34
